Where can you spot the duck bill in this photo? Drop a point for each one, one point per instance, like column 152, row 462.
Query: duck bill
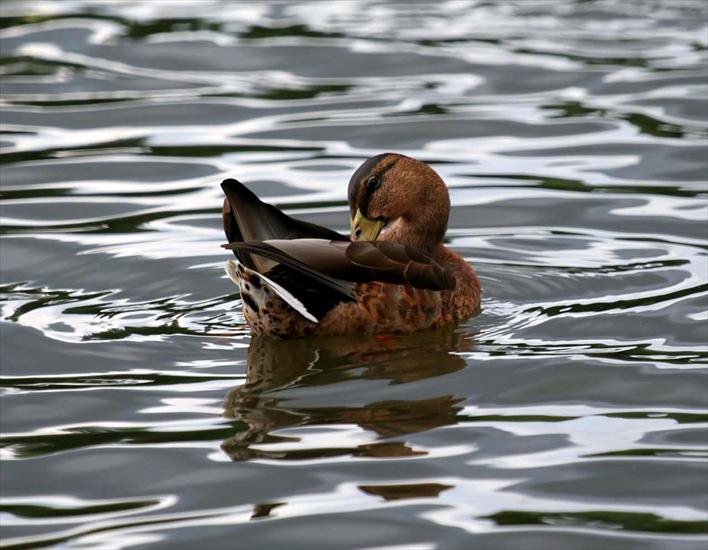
column 364, row 229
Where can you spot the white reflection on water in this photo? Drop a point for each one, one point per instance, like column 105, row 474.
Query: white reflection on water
column 572, row 137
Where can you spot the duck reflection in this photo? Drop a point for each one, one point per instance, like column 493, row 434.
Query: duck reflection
column 405, row 490
column 280, row 372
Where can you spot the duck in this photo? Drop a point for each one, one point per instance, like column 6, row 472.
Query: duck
column 392, row 274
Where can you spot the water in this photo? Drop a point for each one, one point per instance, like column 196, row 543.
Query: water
column 137, row 411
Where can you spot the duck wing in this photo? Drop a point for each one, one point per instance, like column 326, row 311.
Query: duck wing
column 247, row 218
column 338, row 264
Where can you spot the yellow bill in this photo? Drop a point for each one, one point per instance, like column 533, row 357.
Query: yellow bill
column 364, row 229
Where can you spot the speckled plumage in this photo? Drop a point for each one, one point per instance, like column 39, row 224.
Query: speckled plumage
column 428, row 286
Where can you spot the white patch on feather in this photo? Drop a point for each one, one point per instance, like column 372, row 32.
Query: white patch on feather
column 285, row 295
column 232, row 273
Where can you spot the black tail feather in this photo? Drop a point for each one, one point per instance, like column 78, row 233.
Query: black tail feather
column 343, row 288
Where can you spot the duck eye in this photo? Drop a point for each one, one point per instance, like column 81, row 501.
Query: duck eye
column 373, row 183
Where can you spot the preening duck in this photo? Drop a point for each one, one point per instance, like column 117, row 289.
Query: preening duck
column 393, row 274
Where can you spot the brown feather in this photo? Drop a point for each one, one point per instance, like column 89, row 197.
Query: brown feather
column 407, row 280
column 358, row 261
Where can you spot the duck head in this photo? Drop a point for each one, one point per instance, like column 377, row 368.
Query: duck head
column 397, row 198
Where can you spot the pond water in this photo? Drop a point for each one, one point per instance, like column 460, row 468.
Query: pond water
column 136, row 410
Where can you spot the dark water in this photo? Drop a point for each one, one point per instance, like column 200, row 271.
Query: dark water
column 138, row 412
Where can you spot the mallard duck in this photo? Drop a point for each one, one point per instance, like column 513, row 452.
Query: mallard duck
column 393, row 274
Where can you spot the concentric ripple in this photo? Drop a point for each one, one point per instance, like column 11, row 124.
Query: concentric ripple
column 137, row 411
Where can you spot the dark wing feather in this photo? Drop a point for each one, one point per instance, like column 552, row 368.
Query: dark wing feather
column 247, row 218
column 336, row 262
column 400, row 264
column 292, row 260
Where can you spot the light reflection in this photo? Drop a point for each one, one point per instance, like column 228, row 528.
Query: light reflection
column 574, row 175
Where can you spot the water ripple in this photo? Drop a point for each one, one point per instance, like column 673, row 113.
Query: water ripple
column 570, row 413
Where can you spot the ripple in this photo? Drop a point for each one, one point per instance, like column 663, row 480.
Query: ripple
column 570, row 413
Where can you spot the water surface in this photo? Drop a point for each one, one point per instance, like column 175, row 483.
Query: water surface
column 136, row 410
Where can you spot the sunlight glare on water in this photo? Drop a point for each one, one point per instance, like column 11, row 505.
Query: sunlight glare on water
column 136, row 409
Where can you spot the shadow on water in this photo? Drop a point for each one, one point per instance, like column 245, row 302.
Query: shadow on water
column 277, row 368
